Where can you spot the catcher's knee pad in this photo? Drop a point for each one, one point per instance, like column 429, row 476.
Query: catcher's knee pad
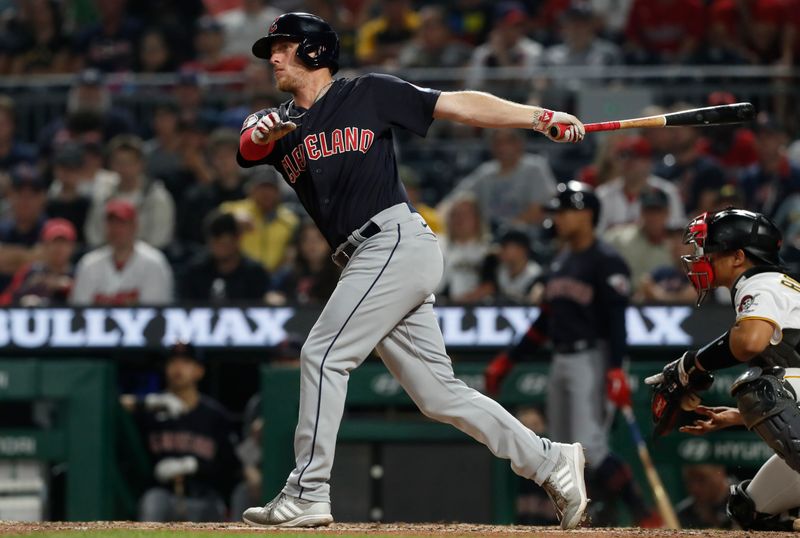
column 742, row 510
column 770, row 410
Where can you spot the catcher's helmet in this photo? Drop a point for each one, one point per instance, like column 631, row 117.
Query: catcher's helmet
column 319, row 44
column 575, row 195
column 725, row 231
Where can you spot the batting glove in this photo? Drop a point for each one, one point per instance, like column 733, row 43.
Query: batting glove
column 684, row 372
column 497, row 370
column 571, row 129
column 165, row 401
column 270, row 128
column 170, row 468
column 617, row 387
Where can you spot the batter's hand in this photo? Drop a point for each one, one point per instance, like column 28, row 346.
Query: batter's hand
column 718, row 418
column 544, row 118
column 617, row 387
column 497, row 370
column 270, row 128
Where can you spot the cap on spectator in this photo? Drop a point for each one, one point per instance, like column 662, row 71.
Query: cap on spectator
column 25, row 176
column 634, row 146
column 208, row 23
column 218, row 223
column 90, row 77
column 510, row 13
column 120, row 209
column 654, row 199
column 262, row 176
column 578, row 10
column 126, row 142
column 516, row 237
column 185, row 350
column 58, row 229
column 69, row 155
column 721, row 98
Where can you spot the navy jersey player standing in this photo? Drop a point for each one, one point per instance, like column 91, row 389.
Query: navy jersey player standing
column 332, row 142
column 583, row 318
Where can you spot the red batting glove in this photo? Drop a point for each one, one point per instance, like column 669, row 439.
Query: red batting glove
column 617, row 387
column 497, row 370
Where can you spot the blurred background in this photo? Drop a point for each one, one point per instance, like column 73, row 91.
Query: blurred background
column 119, row 126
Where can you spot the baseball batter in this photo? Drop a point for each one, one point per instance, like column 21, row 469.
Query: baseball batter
column 738, row 249
column 332, row 142
column 583, row 318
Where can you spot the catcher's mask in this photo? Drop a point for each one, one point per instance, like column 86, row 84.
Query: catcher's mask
column 698, row 265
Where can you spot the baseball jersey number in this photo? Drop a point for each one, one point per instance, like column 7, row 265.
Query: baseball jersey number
column 791, row 283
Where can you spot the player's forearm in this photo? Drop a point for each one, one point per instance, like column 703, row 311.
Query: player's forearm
column 481, row 109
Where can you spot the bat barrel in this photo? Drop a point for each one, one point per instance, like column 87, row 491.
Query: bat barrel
column 713, row 115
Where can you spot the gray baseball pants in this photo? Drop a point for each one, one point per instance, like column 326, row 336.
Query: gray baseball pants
column 576, row 402
column 384, row 300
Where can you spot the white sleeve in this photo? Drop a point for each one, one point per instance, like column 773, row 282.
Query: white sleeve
column 82, row 288
column 160, row 286
column 163, row 213
column 761, row 299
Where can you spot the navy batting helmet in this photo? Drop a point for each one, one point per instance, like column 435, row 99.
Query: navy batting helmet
column 319, row 44
column 575, row 195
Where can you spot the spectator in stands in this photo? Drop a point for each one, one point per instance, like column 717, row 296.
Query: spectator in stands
column 269, row 225
column 20, row 230
column 708, row 488
column 380, row 40
column 697, row 176
column 65, row 198
column 155, row 207
column 471, row 20
column 664, row 31
column 644, row 245
column 12, row 150
column 125, row 271
column 245, row 24
column 98, row 177
column 773, row 178
column 47, row 282
column 312, row 276
column 732, row 146
column 189, row 93
column 222, row 273
column 668, row 283
column 758, row 29
column 464, row 246
column 226, row 186
column 507, row 46
column 190, row 438
column 36, row 40
column 619, row 198
column 433, row 44
column 513, row 186
column 90, row 115
column 412, row 183
column 209, row 44
column 163, row 152
column 154, row 53
column 510, row 274
column 109, row 44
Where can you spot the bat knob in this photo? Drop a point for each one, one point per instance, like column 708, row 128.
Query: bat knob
column 557, row 130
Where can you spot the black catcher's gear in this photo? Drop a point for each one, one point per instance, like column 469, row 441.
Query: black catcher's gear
column 724, row 231
column 576, row 195
column 770, row 410
column 742, row 509
column 319, row 44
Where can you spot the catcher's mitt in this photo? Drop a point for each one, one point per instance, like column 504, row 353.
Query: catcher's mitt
column 671, row 397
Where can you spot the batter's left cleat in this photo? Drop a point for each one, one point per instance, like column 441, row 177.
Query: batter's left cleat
column 287, row 511
column 567, row 488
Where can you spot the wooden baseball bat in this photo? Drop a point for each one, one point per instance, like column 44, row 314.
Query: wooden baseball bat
column 710, row 115
column 665, row 508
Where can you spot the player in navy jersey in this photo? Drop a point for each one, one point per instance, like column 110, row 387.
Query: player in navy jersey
column 583, row 319
column 333, row 143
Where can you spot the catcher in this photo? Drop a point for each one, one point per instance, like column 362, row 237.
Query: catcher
column 738, row 249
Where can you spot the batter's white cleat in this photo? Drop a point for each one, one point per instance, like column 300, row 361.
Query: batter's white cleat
column 287, row 511
column 567, row 488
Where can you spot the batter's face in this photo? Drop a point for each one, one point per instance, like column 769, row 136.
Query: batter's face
column 183, row 373
column 290, row 73
column 572, row 223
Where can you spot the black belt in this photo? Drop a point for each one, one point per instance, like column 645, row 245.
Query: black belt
column 343, row 254
column 574, row 347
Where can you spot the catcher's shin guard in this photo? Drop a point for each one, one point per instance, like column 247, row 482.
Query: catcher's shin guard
column 770, row 410
column 742, row 510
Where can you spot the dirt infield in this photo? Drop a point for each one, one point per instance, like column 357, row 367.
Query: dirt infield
column 394, row 530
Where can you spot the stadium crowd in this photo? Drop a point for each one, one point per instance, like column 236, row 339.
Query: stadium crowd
column 108, row 206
